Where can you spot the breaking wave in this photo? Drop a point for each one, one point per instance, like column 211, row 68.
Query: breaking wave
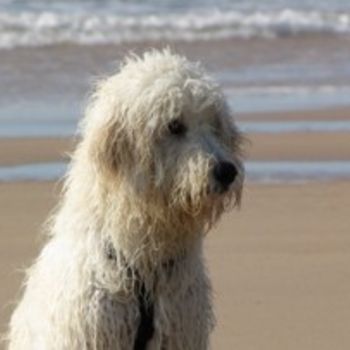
column 31, row 28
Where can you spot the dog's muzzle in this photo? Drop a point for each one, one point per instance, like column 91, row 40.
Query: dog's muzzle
column 224, row 174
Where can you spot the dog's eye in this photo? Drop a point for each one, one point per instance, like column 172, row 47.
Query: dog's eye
column 176, row 127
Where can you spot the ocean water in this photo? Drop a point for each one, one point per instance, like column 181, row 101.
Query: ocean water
column 268, row 55
column 38, row 22
column 256, row 171
column 62, row 129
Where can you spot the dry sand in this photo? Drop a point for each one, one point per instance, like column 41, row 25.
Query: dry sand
column 281, row 269
column 280, row 266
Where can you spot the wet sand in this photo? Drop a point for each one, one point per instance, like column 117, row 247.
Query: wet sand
column 34, row 150
column 291, row 146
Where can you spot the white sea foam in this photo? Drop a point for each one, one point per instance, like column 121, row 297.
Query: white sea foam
column 36, row 28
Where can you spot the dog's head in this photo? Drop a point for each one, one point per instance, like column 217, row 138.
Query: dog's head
column 162, row 127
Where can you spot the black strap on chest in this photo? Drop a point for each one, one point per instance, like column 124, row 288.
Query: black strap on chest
column 145, row 329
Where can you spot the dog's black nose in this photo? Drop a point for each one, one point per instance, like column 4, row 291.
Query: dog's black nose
column 225, row 173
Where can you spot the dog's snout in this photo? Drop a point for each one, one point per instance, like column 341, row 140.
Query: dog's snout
column 225, row 173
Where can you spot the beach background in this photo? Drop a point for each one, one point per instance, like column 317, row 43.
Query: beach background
column 281, row 265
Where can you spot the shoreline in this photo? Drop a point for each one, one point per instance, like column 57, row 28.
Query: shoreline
column 319, row 114
column 279, row 265
column 294, row 146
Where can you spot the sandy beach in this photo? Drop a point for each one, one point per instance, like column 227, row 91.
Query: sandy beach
column 279, row 266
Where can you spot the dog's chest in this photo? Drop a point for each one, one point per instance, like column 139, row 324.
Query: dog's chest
column 111, row 322
column 170, row 316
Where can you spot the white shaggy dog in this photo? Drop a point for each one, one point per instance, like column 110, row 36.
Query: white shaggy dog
column 158, row 162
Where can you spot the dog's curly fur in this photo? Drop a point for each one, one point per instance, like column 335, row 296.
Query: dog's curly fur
column 136, row 204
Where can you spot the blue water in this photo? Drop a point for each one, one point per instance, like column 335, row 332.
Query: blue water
column 70, row 128
column 271, row 55
column 36, row 128
column 286, row 98
column 257, row 171
column 297, row 171
column 338, row 126
column 33, row 172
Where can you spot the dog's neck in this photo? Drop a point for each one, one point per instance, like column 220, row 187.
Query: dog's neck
column 112, row 255
column 137, row 224
column 134, row 224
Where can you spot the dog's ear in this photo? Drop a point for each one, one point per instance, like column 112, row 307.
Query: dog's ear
column 105, row 131
column 237, row 139
column 109, row 147
column 230, row 134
